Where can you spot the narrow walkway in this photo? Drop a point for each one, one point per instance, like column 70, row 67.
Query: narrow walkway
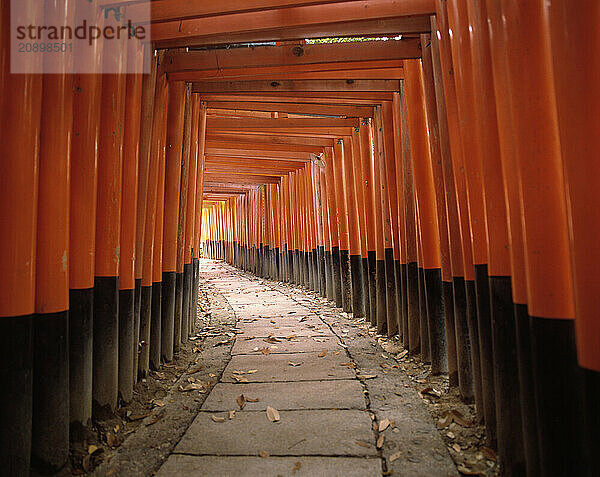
column 293, row 401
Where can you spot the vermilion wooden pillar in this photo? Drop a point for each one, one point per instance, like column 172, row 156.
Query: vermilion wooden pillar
column 108, row 227
column 329, row 294
column 333, row 226
column 87, row 90
column 511, row 176
column 469, row 372
column 546, row 238
column 20, row 108
column 182, row 216
column 410, row 227
column 158, row 121
column 452, row 224
column 362, row 267
column 342, row 220
column 190, row 218
column 174, row 144
column 148, row 93
column 428, row 212
column 131, row 142
column 367, row 192
column 578, row 106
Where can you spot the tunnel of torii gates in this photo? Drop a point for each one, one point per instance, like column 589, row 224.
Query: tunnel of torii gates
column 444, row 186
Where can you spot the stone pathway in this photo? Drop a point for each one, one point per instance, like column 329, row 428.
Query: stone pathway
column 287, row 357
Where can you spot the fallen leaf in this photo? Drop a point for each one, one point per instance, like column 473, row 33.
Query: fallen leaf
column 116, row 428
column 384, row 424
column 349, row 365
column 323, row 353
column 265, row 350
column 263, row 454
column 86, row 463
column 291, row 337
column 297, row 467
column 380, row 441
column 217, row 418
column 240, row 380
column 191, row 387
column 450, row 435
column 195, row 369
column 251, row 399
column 137, row 417
column 273, row 414
column 395, row 456
column 402, row 354
column 466, row 471
column 456, row 447
column 252, row 371
column 363, row 444
column 454, row 416
column 91, row 449
column 431, row 392
column 112, row 440
column 366, row 376
column 231, row 415
column 241, row 400
column 291, row 363
column 488, row 453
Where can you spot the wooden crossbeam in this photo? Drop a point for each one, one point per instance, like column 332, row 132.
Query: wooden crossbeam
column 301, row 18
column 275, row 123
column 284, row 55
column 233, row 155
column 358, row 98
column 270, row 142
column 299, row 108
column 295, row 86
column 231, row 178
column 254, row 162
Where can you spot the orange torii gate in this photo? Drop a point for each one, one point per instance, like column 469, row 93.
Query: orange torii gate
column 438, row 185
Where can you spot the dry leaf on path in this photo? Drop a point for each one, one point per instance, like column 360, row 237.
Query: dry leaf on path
column 488, row 453
column 252, row 371
column 231, row 415
column 241, row 400
column 363, row 444
column 366, row 376
column 384, row 424
column 395, row 456
column 273, row 414
column 380, row 441
column 263, row 454
column 91, row 449
column 297, row 467
column 323, row 353
column 453, row 416
column 466, row 471
column 456, row 447
column 291, row 363
column 251, row 399
column 431, row 392
column 217, row 418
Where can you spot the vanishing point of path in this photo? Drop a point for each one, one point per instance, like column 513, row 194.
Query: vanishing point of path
column 301, row 396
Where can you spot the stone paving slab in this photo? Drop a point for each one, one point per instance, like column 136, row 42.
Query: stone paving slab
column 188, row 466
column 270, row 309
column 300, row 344
column 285, row 331
column 318, row 432
column 339, row 394
column 276, row 367
column 309, row 321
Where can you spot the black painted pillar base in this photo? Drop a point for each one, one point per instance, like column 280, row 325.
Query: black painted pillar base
column 423, row 318
column 167, row 331
column 592, row 391
column 437, row 325
column 486, row 350
column 126, row 341
column 329, row 291
column 194, row 297
column 316, row 271
column 346, row 280
column 50, row 418
column 16, row 391
column 412, row 295
column 144, row 343
column 105, row 381
column 405, row 300
column 365, row 287
column 463, row 341
column 188, row 277
column 294, row 266
column 473, row 322
column 321, row 270
column 358, row 294
column 399, row 294
column 560, row 405
column 372, row 261
column 276, row 264
column 179, row 310
column 381, row 289
column 448, row 298
column 337, row 276
column 81, row 345
column 137, row 307
column 156, row 326
column 307, row 270
column 390, row 290
column 509, row 427
column 266, row 262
